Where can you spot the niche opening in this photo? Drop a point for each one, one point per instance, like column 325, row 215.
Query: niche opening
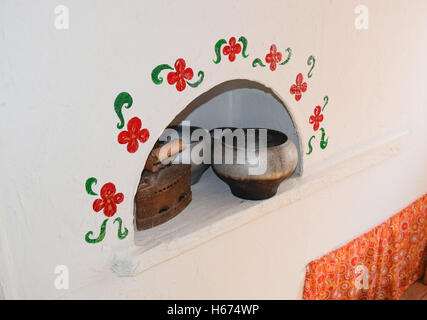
column 236, row 103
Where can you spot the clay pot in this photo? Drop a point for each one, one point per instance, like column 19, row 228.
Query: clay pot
column 255, row 172
column 185, row 133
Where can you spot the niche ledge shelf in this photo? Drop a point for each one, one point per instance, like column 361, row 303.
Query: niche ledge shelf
column 215, row 211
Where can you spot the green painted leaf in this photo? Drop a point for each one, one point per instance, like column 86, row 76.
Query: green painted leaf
column 323, row 142
column 218, row 46
column 326, row 99
column 310, row 148
column 156, row 71
column 124, row 99
column 101, row 234
column 121, row 235
column 289, row 50
column 89, row 183
column 244, row 41
column 257, row 62
column 201, row 76
column 311, row 61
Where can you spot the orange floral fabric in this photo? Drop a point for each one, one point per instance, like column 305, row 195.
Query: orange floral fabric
column 380, row 264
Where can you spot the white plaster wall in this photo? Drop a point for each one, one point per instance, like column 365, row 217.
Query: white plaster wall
column 57, row 128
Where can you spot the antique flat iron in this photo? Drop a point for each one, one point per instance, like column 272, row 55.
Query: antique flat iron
column 164, row 189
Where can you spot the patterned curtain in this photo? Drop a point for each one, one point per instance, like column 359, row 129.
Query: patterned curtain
column 380, row 264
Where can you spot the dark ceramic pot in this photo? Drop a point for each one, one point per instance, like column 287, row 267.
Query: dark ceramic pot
column 255, row 172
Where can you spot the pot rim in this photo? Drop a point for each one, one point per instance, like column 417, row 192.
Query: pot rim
column 286, row 138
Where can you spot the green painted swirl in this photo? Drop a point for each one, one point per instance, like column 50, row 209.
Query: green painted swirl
column 311, row 61
column 201, row 76
column 156, row 71
column 121, row 235
column 289, row 50
column 89, row 183
column 218, row 46
column 323, row 142
column 124, row 99
column 326, row 99
column 310, row 148
column 257, row 62
column 244, row 41
column 101, row 234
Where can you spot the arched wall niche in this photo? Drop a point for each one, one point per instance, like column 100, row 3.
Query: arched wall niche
column 242, row 103
column 238, row 103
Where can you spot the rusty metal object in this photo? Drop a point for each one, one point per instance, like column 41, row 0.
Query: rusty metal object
column 163, row 154
column 162, row 195
column 190, row 135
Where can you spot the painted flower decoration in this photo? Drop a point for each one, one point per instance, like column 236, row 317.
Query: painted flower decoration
column 109, row 200
column 298, row 88
column 316, row 118
column 182, row 73
column 133, row 135
column 273, row 57
column 232, row 49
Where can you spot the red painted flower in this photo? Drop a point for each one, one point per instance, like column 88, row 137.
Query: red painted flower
column 232, row 49
column 180, row 75
column 316, row 118
column 298, row 88
column 133, row 135
column 273, row 57
column 109, row 200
